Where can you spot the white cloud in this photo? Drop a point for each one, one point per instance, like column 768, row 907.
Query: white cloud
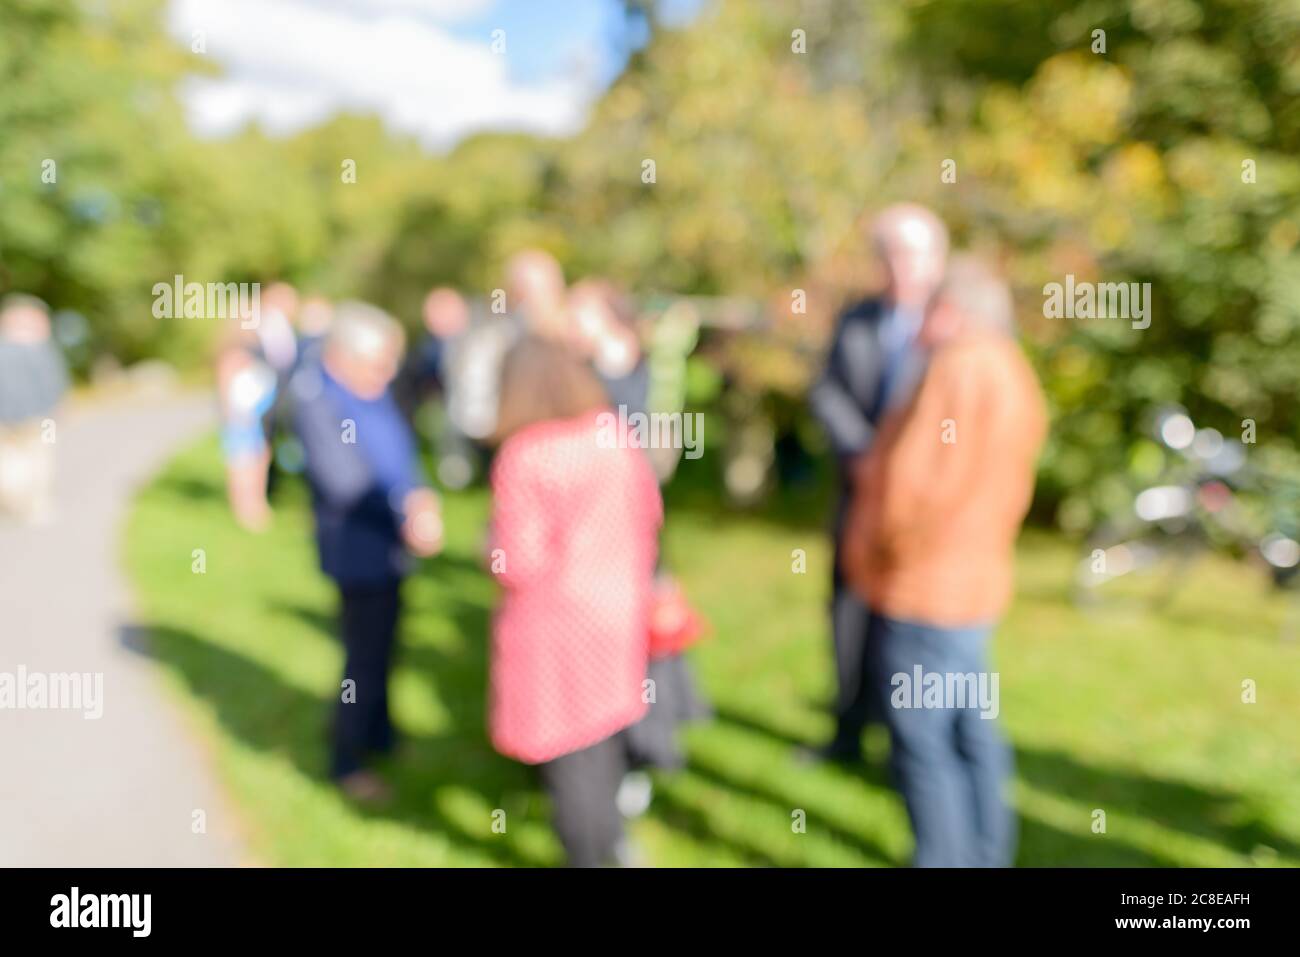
column 290, row 64
column 439, row 9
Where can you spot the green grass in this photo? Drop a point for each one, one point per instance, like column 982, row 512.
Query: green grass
column 1138, row 716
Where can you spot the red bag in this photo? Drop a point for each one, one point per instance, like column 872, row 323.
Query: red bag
column 674, row 624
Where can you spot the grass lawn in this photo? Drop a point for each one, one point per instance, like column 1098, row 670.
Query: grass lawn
column 1138, row 716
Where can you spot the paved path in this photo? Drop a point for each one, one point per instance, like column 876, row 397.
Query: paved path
column 120, row 790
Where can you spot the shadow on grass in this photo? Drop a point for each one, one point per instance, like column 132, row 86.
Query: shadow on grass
column 458, row 680
column 188, row 488
column 1215, row 815
column 254, row 706
column 780, row 794
column 1042, row 844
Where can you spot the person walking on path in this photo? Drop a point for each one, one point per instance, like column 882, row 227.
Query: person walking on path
column 33, row 379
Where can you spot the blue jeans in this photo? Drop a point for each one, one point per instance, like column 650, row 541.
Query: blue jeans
column 950, row 763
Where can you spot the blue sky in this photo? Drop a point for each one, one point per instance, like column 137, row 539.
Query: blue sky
column 425, row 66
column 558, row 31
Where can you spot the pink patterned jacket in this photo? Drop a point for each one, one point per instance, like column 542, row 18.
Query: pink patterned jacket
column 574, row 537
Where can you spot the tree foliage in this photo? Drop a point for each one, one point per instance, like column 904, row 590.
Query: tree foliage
column 1167, row 151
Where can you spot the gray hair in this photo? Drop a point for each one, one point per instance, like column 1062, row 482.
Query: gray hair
column 21, row 300
column 972, row 287
column 365, row 331
column 901, row 218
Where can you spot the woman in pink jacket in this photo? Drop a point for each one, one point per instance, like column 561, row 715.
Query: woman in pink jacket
column 575, row 526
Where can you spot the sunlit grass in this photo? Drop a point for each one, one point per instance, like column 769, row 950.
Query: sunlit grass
column 1137, row 716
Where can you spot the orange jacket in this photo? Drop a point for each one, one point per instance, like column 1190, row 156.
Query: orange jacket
column 941, row 494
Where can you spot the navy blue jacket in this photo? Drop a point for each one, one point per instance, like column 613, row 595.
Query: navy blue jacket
column 846, row 396
column 357, row 487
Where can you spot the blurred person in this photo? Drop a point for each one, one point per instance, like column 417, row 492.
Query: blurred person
column 277, row 341
column 672, row 339
column 574, row 541
column 246, row 390
column 930, row 541
column 436, row 368
column 871, row 367
column 312, row 325
column 535, row 308
column 446, row 318
column 33, row 379
column 602, row 324
column 474, row 400
column 372, row 509
column 254, row 364
column 276, row 337
column 535, row 285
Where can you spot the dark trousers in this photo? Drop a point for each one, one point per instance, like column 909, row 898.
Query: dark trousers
column 582, row 786
column 362, row 727
column 855, row 705
column 652, row 741
column 949, row 761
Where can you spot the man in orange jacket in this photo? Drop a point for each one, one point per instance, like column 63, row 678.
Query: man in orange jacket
column 930, row 538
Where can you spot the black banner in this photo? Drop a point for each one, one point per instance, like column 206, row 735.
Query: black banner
column 441, row 906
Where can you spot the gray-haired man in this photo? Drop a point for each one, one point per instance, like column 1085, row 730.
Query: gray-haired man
column 372, row 507
column 871, row 368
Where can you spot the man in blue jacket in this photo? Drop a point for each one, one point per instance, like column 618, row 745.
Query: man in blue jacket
column 873, row 366
column 373, row 511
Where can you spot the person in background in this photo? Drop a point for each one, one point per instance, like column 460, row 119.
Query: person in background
column 246, row 392
column 937, row 506
column 871, row 367
column 573, row 544
column 254, row 363
column 313, row 325
column 536, row 295
column 446, row 319
column 373, row 510
column 33, row 379
column 437, row 366
column 276, row 344
column 535, row 307
column 602, row 327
